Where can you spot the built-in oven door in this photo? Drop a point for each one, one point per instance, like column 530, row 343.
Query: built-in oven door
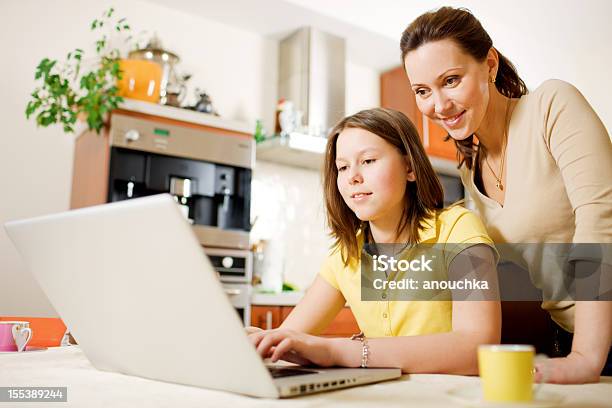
column 232, row 265
column 235, row 270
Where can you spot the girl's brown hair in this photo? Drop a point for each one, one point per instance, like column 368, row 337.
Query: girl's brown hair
column 422, row 196
column 459, row 25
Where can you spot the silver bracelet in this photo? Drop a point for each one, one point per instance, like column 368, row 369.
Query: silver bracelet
column 365, row 348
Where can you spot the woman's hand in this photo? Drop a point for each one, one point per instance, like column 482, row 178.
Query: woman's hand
column 590, row 345
column 573, row 369
column 293, row 346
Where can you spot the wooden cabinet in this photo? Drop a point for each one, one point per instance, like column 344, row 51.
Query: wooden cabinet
column 270, row 317
column 435, row 145
column 395, row 93
column 266, row 317
column 344, row 325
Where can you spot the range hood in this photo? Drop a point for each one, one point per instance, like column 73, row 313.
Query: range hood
column 311, row 74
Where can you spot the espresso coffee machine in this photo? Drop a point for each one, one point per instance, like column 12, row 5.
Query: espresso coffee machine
column 207, row 170
column 214, row 197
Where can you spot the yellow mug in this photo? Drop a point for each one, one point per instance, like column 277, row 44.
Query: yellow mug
column 507, row 372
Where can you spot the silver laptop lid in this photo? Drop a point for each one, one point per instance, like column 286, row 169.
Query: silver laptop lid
column 138, row 293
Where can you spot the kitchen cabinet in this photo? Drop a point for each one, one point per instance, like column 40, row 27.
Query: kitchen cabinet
column 295, row 149
column 271, row 317
column 435, row 145
column 395, row 93
column 266, row 317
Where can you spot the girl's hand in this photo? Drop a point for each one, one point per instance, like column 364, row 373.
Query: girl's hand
column 573, row 369
column 293, row 346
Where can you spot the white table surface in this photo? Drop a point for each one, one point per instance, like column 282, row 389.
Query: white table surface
column 88, row 387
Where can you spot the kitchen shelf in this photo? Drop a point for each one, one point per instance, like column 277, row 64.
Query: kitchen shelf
column 186, row 115
column 305, row 151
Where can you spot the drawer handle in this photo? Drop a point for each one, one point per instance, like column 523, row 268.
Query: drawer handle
column 269, row 320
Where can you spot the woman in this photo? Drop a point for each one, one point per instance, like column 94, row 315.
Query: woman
column 540, row 171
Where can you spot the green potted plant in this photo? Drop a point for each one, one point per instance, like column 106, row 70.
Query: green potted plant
column 80, row 87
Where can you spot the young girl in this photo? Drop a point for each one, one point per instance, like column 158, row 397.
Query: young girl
column 380, row 188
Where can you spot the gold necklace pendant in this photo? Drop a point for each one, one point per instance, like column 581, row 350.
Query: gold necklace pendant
column 498, row 180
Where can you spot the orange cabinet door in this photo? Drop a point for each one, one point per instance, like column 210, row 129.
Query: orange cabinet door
column 396, row 93
column 343, row 325
column 285, row 310
column 266, row 317
column 434, row 142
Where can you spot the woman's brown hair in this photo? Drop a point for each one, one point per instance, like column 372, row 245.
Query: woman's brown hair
column 459, row 25
column 422, row 196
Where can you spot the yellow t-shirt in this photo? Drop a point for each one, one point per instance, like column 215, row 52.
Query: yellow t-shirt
column 406, row 318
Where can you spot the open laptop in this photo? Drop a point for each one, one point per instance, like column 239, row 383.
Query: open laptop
column 138, row 293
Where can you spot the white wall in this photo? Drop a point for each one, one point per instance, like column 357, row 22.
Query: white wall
column 238, row 69
column 363, row 88
column 291, row 218
column 568, row 40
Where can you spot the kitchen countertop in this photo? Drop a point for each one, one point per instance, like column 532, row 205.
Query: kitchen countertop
column 186, row 115
column 88, row 387
column 276, row 299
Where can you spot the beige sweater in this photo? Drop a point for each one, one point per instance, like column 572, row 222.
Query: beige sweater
column 558, row 180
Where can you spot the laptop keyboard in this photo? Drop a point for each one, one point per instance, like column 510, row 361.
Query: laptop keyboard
column 278, row 372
